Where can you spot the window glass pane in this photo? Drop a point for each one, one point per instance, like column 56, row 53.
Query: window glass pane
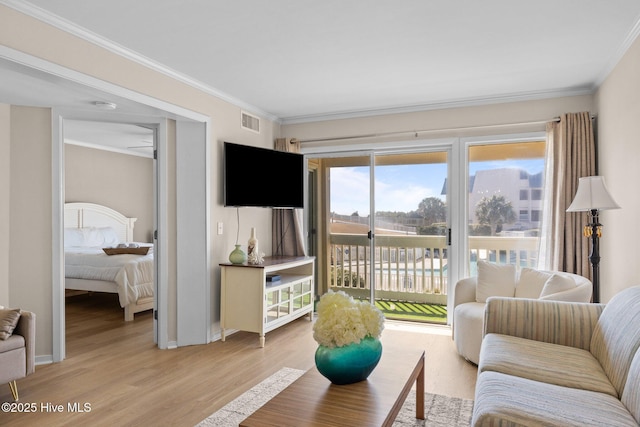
column 348, row 224
column 407, row 269
column 411, row 254
column 505, row 202
column 536, row 194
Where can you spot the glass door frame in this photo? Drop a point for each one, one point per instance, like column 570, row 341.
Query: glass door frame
column 454, row 195
column 458, row 185
column 331, row 155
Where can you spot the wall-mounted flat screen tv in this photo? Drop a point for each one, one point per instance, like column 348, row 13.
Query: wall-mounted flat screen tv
column 261, row 177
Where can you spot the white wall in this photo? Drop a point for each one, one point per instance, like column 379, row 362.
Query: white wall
column 618, row 105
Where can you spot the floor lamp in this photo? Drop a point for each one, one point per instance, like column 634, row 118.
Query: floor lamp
column 593, row 196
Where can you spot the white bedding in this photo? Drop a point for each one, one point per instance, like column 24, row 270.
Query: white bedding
column 133, row 274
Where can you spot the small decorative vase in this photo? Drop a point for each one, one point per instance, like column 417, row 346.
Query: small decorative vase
column 351, row 363
column 237, row 256
column 252, row 247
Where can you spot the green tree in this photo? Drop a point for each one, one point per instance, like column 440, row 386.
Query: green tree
column 495, row 211
column 433, row 210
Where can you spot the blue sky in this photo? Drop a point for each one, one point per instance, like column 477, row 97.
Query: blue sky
column 400, row 188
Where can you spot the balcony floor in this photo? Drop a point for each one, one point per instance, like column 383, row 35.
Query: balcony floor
column 413, row 311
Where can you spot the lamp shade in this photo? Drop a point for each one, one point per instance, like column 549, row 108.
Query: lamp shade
column 592, row 194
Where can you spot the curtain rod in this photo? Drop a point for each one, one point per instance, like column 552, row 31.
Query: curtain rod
column 416, row 133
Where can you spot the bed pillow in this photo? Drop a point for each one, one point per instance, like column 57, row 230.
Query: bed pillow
column 73, row 237
column 495, row 280
column 555, row 284
column 8, row 321
column 109, row 237
column 91, row 237
column 531, row 282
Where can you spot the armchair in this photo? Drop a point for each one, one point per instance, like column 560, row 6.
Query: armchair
column 469, row 299
column 17, row 352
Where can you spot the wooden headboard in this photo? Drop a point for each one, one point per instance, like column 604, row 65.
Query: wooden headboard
column 80, row 215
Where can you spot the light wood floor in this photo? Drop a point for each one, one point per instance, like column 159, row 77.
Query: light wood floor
column 115, row 367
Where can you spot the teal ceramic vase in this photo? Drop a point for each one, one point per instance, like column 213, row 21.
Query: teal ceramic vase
column 237, row 256
column 351, row 363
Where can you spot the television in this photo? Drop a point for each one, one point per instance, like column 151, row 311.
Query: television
column 260, row 177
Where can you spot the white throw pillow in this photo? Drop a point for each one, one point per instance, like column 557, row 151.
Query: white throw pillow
column 531, row 282
column 495, row 280
column 557, row 283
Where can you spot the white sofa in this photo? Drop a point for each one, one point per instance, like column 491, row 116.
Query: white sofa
column 505, row 280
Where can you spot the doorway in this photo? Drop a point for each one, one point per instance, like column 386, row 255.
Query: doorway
column 386, row 229
column 110, row 170
column 392, row 252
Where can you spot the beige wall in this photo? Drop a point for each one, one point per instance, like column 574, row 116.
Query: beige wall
column 5, row 175
column 452, row 122
column 618, row 104
column 30, row 202
column 119, row 181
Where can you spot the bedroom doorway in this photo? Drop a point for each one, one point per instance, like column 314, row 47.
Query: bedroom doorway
column 182, row 312
column 110, row 172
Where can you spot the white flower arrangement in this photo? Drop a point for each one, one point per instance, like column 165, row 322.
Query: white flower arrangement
column 343, row 320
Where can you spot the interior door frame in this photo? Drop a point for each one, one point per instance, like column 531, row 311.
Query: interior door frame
column 160, row 187
column 162, row 299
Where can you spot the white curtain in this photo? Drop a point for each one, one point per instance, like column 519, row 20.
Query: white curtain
column 571, row 154
column 288, row 238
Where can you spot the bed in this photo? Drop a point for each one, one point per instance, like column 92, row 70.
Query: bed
column 88, row 228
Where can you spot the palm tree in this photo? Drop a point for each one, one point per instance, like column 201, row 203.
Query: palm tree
column 495, row 211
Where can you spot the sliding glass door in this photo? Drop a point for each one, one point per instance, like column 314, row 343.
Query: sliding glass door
column 398, row 226
column 412, row 235
column 349, row 219
column 387, row 229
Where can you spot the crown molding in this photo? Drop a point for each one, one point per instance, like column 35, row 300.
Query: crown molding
column 69, row 27
column 620, row 52
column 148, row 155
column 461, row 103
column 91, row 37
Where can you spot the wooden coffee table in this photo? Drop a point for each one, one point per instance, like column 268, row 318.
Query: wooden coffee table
column 313, row 401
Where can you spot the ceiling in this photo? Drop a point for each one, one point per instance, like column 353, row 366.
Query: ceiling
column 119, row 137
column 305, row 60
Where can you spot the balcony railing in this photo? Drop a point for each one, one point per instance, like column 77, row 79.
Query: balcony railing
column 414, row 267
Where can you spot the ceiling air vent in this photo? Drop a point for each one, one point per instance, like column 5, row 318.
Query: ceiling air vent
column 250, row 122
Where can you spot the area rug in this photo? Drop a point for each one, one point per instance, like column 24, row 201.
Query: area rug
column 440, row 411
